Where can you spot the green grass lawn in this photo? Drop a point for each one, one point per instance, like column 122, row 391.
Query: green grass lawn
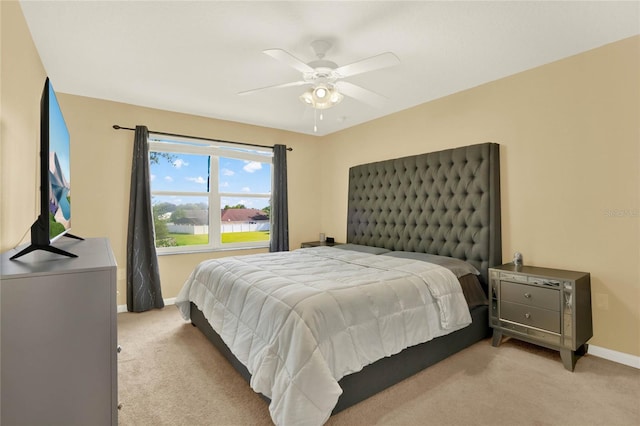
column 228, row 237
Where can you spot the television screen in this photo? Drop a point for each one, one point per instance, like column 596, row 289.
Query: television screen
column 59, row 194
column 54, row 219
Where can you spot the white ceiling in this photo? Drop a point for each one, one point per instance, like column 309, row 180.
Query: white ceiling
column 194, row 57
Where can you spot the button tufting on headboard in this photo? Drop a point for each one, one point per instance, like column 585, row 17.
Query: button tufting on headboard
column 445, row 203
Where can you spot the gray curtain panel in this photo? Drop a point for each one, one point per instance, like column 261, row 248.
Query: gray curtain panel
column 279, row 201
column 143, row 276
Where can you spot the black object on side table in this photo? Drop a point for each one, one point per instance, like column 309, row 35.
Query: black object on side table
column 547, row 307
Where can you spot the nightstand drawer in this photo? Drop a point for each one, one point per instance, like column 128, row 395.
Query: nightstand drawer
column 545, row 298
column 535, row 333
column 530, row 316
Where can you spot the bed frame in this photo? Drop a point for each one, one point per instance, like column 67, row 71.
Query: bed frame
column 444, row 203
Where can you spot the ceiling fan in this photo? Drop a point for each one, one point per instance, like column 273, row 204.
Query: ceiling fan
column 325, row 78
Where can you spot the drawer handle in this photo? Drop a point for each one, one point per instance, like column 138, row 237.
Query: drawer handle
column 527, row 315
column 527, row 295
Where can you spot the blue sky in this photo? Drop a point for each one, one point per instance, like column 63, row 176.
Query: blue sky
column 58, row 134
column 190, row 173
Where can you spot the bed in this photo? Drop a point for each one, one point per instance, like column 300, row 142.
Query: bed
column 408, row 220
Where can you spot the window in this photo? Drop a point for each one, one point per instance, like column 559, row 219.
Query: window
column 209, row 196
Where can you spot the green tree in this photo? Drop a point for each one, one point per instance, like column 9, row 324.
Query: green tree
column 160, row 226
column 155, row 156
column 237, row 206
column 160, row 209
column 179, row 213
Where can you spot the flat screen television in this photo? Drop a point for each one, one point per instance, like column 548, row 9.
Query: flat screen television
column 54, row 220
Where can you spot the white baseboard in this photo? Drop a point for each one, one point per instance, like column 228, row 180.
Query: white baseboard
column 611, row 355
column 615, row 356
column 171, row 301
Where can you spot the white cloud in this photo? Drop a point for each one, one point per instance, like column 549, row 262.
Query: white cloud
column 198, row 179
column 252, row 166
column 224, row 184
column 168, row 178
column 227, row 172
column 179, row 163
column 246, row 189
column 152, row 177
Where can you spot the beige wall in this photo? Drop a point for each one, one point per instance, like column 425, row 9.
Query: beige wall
column 101, row 159
column 21, row 81
column 101, row 168
column 569, row 139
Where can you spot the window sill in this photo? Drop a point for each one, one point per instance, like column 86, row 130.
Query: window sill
column 210, row 250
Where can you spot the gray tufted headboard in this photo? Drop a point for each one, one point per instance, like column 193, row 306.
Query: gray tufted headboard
column 445, row 203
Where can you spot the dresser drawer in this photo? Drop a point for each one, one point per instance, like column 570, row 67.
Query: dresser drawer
column 530, row 316
column 545, row 298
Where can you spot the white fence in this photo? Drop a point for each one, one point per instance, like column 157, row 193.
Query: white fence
column 226, row 227
column 188, row 229
column 244, row 227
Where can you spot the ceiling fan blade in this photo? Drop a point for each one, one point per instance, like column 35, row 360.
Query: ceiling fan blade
column 361, row 94
column 288, row 59
column 277, row 86
column 377, row 62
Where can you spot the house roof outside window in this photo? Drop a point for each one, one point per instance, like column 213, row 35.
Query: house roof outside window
column 243, row 215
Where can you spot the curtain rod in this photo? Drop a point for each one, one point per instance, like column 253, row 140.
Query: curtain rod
column 115, row 126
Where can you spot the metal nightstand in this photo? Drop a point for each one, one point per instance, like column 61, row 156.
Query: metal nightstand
column 548, row 307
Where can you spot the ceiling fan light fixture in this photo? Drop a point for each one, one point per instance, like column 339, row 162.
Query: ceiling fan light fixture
column 321, row 97
column 320, row 93
column 307, row 97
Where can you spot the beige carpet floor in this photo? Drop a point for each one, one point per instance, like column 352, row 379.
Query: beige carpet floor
column 169, row 374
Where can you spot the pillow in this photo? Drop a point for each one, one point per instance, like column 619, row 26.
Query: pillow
column 361, row 248
column 457, row 266
column 472, row 290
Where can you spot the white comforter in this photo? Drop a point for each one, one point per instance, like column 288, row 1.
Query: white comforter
column 301, row 320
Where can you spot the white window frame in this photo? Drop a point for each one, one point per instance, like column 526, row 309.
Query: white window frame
column 215, row 150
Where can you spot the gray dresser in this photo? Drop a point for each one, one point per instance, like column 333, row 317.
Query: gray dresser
column 548, row 307
column 59, row 336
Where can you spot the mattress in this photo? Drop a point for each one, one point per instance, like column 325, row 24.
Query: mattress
column 300, row 321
